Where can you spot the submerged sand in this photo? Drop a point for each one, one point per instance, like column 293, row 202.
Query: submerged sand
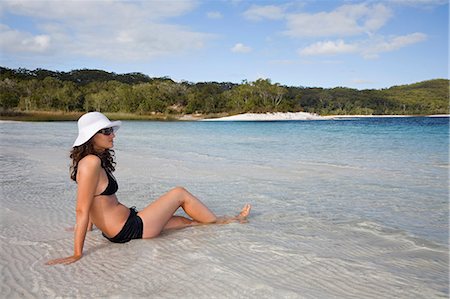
column 285, row 251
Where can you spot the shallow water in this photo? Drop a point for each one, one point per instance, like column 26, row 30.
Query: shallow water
column 344, row 209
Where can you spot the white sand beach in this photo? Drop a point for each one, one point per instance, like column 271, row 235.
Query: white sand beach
column 275, row 116
column 286, row 116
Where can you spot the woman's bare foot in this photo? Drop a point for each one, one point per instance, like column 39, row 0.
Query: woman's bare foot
column 241, row 218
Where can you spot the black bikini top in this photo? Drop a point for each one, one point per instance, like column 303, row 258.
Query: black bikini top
column 112, row 185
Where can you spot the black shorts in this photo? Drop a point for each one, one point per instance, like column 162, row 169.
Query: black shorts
column 132, row 229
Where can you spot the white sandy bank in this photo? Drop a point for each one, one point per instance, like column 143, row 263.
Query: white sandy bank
column 269, row 117
column 279, row 116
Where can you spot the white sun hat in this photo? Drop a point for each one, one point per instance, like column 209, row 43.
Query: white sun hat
column 92, row 122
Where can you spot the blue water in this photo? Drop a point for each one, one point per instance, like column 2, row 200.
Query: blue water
column 353, row 208
column 393, row 171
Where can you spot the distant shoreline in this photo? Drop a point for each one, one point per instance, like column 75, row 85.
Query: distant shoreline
column 278, row 116
column 386, row 116
column 271, row 116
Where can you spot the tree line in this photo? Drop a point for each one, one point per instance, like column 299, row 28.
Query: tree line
column 89, row 90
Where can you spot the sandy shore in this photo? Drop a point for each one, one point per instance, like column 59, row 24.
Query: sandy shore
column 280, row 116
column 380, row 116
column 269, row 117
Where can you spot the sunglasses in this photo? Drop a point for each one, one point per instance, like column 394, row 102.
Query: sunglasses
column 106, row 131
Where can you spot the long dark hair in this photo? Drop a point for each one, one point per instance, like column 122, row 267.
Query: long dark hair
column 79, row 152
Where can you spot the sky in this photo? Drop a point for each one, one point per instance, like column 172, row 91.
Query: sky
column 370, row 44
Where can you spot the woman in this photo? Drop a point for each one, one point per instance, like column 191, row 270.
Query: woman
column 92, row 166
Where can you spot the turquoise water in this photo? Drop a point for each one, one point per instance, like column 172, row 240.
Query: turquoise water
column 393, row 171
column 353, row 208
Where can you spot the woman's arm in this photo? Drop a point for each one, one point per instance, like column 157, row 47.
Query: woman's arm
column 90, row 227
column 87, row 179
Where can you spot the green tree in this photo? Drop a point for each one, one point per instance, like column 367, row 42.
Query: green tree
column 79, row 90
column 206, row 98
column 267, row 96
column 9, row 95
column 69, row 97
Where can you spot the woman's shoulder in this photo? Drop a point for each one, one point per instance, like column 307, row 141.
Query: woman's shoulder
column 90, row 162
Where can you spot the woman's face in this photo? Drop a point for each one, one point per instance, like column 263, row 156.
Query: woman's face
column 104, row 139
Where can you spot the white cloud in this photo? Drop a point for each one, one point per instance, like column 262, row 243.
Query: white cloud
column 377, row 46
column 328, row 48
column 112, row 30
column 20, row 42
column 418, row 2
column 271, row 12
column 346, row 20
column 350, row 20
column 113, row 11
column 368, row 49
column 240, row 48
column 214, row 15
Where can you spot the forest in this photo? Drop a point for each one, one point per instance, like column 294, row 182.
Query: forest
column 23, row 90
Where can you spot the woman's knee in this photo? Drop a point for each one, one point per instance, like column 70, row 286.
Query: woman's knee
column 179, row 191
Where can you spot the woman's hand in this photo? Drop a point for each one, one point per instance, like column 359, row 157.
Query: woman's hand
column 64, row 260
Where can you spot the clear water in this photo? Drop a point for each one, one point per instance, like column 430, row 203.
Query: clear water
column 393, row 171
column 334, row 202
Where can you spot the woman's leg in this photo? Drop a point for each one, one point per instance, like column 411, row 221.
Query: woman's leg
column 158, row 214
column 177, row 222
column 241, row 217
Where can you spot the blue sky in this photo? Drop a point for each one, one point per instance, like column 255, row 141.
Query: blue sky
column 312, row 43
